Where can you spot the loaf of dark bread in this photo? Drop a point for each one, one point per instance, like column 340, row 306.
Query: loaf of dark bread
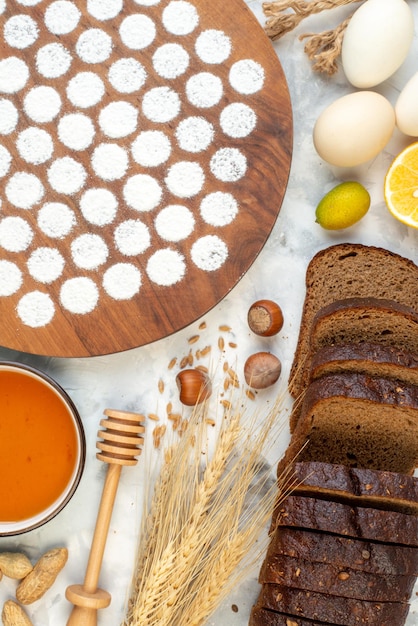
column 355, row 320
column 359, row 421
column 358, row 554
column 333, row 580
column 321, row 608
column 350, row 270
column 365, row 358
column 356, row 486
column 342, row 519
column 264, row 617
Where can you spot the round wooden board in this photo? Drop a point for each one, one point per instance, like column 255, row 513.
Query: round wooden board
column 137, row 274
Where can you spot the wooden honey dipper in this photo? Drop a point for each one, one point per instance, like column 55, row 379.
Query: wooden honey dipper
column 118, row 446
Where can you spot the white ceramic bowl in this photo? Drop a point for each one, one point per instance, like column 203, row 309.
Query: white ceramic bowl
column 42, row 448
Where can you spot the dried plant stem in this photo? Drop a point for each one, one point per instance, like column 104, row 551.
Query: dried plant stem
column 325, row 48
column 200, row 520
column 280, row 22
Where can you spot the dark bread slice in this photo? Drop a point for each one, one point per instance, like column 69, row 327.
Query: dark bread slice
column 342, row 519
column 358, row 554
column 350, row 270
column 321, row 608
column 356, row 486
column 359, row 421
column 264, row 617
column 328, row 578
column 365, row 358
column 355, row 320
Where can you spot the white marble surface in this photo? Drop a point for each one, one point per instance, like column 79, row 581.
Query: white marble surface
column 129, row 380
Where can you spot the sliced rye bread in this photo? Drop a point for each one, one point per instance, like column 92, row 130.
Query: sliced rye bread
column 264, row 617
column 365, row 358
column 359, row 421
column 356, row 320
column 358, row 554
column 320, row 608
column 351, row 485
column 357, row 522
column 350, row 270
column 333, row 580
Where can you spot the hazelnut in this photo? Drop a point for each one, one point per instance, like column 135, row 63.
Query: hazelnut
column 265, row 318
column 261, row 370
column 194, row 386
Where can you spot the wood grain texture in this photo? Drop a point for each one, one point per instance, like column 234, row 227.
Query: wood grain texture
column 155, row 311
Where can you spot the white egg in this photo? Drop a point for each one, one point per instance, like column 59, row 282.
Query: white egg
column 406, row 108
column 376, row 41
column 354, row 128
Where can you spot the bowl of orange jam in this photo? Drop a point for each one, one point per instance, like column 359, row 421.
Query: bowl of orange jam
column 42, row 448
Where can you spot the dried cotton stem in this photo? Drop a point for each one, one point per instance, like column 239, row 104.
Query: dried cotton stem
column 325, row 48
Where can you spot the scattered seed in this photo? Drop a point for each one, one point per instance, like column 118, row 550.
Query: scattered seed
column 154, row 417
column 224, row 328
column 161, row 386
column 193, row 339
column 343, row 576
column 231, row 344
column 202, row 325
column 169, row 407
column 250, row 394
column 202, row 368
column 172, row 363
column 205, row 351
column 210, row 422
column 157, row 434
column 226, row 403
column 221, row 343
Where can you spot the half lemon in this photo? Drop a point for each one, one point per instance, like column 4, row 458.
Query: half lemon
column 401, row 186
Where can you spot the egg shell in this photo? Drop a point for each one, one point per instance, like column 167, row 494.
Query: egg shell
column 406, row 108
column 376, row 41
column 354, row 128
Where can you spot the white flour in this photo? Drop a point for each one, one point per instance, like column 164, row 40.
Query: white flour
column 142, row 192
column 14, row 74
column 185, row 179
column 166, row 267
column 5, row 161
column 8, row 117
column 94, row 46
column 174, row 223
column 56, row 220
column 127, row 75
column 89, row 251
column 15, row 234
column 219, row 208
column 46, row 264
column 151, row 148
column 228, row 164
column 85, row 90
column 35, row 145
column 36, row 309
column 11, row 278
column 24, row 190
column 122, row 281
column 110, row 161
column 209, row 253
column 238, row 120
column 99, row 206
column 104, row 9
column 180, row 18
column 161, row 104
column 66, row 175
column 152, row 124
column 137, row 31
column 132, row 237
column 194, row 134
column 213, row 46
column 21, row 31
column 246, row 76
column 76, row 131
column 42, row 104
column 204, row 90
column 61, row 17
column 118, row 119
column 170, row 60
column 53, row 60
column 79, row 295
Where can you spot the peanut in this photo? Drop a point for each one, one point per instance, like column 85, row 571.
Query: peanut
column 15, row 565
column 14, row 615
column 43, row 575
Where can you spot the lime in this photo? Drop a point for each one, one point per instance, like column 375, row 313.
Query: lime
column 343, row 206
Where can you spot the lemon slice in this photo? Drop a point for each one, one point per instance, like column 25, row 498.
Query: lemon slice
column 401, row 186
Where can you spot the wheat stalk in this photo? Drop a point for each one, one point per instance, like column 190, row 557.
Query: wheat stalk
column 199, row 528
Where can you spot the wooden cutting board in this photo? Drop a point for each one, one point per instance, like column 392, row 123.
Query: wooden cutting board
column 145, row 148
